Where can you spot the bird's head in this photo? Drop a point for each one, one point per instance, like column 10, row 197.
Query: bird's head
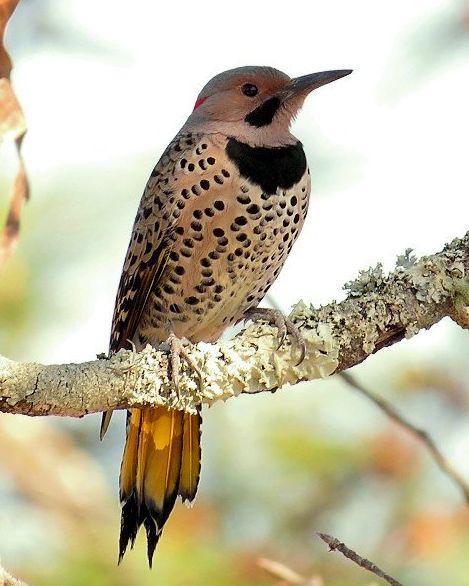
column 255, row 104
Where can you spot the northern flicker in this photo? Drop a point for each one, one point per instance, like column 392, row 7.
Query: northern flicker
column 216, row 222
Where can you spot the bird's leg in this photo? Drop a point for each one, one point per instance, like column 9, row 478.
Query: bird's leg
column 177, row 351
column 283, row 324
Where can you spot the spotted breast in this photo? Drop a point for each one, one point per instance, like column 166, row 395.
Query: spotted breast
column 231, row 214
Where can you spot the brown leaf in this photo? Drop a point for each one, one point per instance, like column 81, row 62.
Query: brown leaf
column 6, row 10
column 12, row 127
column 12, row 124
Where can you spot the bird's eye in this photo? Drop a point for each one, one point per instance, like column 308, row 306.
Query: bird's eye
column 249, row 89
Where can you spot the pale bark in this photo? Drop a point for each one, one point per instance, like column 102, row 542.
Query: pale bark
column 7, row 579
column 379, row 310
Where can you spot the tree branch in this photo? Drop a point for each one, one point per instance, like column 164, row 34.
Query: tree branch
column 334, row 544
column 7, row 579
column 378, row 311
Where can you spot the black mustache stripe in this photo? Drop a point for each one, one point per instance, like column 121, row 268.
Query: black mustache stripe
column 263, row 114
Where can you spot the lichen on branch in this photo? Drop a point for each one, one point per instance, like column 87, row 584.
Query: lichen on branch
column 378, row 310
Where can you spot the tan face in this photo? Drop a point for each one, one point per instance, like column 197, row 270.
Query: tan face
column 254, row 104
column 232, row 98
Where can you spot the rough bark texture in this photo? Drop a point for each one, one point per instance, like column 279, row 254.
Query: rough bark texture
column 8, row 580
column 379, row 310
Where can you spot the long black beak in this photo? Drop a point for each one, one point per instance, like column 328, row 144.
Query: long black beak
column 308, row 83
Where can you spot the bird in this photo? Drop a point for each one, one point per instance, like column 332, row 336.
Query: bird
column 218, row 217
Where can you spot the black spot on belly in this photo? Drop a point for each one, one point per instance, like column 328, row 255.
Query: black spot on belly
column 269, row 167
column 263, row 114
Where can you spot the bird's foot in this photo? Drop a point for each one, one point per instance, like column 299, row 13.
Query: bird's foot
column 283, row 324
column 177, row 348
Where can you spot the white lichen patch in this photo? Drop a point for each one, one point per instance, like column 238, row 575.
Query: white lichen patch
column 431, row 281
column 367, row 281
column 406, row 260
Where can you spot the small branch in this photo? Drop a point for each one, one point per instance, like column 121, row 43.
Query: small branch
column 286, row 574
column 420, row 434
column 378, row 311
column 280, row 571
column 336, row 545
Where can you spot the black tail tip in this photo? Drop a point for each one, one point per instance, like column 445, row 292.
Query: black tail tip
column 133, row 516
column 123, row 548
column 130, row 523
column 187, row 498
column 153, row 536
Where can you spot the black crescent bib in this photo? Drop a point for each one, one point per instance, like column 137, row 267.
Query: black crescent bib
column 269, row 167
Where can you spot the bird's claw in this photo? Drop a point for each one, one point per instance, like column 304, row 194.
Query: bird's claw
column 283, row 324
column 177, row 351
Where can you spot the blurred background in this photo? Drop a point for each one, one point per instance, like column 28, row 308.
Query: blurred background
column 105, row 86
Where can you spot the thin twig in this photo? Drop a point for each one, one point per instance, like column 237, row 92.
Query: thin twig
column 334, row 544
column 281, row 571
column 420, row 434
column 287, row 575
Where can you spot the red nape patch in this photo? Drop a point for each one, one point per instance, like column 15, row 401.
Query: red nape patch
column 199, row 102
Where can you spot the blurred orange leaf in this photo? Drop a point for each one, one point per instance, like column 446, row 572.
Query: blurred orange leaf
column 429, row 534
column 12, row 127
column 393, row 454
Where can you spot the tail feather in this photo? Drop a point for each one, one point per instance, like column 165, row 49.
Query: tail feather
column 153, row 535
column 129, row 464
column 145, row 440
column 161, row 460
column 191, row 457
column 105, row 421
column 130, row 524
column 163, row 463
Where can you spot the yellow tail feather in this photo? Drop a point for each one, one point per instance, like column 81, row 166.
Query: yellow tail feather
column 161, row 460
column 163, row 453
column 191, row 455
column 129, row 459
